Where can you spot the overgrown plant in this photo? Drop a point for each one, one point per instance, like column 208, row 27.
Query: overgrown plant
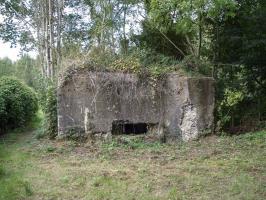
column 50, row 111
column 127, row 64
column 146, row 62
column 228, row 106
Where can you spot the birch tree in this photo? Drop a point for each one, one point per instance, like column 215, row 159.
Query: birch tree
column 35, row 24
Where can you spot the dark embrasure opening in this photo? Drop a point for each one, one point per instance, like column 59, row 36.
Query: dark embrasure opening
column 121, row 127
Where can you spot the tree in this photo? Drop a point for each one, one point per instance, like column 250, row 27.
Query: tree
column 27, row 70
column 6, row 67
column 187, row 19
column 241, row 40
column 48, row 23
column 239, row 46
column 35, row 25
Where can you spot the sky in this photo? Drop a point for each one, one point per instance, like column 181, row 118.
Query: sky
column 12, row 53
column 7, row 51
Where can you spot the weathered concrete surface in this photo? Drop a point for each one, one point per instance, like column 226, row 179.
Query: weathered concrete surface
column 176, row 107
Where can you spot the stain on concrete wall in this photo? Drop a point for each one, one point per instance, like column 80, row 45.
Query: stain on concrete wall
column 180, row 107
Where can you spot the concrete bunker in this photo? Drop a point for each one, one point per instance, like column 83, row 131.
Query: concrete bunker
column 123, row 103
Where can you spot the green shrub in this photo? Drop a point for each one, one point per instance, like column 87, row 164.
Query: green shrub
column 18, row 103
column 50, row 111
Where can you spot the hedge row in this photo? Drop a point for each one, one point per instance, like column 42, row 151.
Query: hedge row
column 18, row 103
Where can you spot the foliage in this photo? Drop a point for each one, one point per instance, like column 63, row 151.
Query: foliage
column 50, row 110
column 136, row 61
column 6, row 67
column 100, row 57
column 232, row 98
column 183, row 28
column 27, row 70
column 149, row 57
column 149, row 62
column 194, row 66
column 159, row 42
column 18, row 103
column 14, row 27
column 127, row 64
column 241, row 40
column 72, row 51
column 233, row 94
column 228, row 106
column 241, row 82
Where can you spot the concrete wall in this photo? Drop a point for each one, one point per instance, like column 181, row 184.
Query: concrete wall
column 179, row 107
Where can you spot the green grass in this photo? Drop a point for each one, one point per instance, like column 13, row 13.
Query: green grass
column 12, row 184
column 226, row 167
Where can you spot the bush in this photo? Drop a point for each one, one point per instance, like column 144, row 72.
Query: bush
column 240, row 101
column 50, row 111
column 18, row 103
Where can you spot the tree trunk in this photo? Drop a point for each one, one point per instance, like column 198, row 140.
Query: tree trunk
column 48, row 20
column 59, row 27
column 124, row 30
column 51, row 37
column 200, row 35
column 46, row 36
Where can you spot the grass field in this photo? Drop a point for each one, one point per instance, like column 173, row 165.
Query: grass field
column 224, row 167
